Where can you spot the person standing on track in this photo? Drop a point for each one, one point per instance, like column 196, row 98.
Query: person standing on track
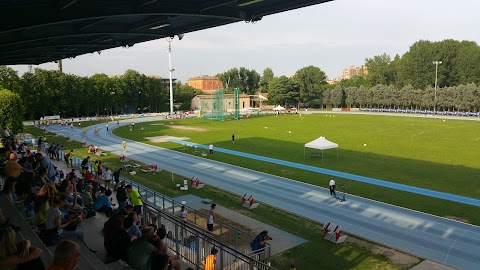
column 210, row 147
column 332, row 188
column 124, row 145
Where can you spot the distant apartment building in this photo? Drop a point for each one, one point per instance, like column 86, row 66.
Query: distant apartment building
column 334, row 80
column 208, row 84
column 353, row 71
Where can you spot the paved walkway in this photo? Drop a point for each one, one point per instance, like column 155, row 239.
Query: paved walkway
column 283, row 240
column 434, row 238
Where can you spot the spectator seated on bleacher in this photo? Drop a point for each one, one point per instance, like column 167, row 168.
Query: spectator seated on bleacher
column 103, row 203
column 87, row 198
column 74, row 201
column 19, row 256
column 163, row 248
column 134, row 230
column 24, row 203
column 122, row 241
column 113, row 224
column 12, row 168
column 64, row 224
column 67, row 256
column 142, row 249
column 42, row 204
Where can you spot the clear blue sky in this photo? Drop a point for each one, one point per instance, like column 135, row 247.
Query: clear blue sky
column 331, row 36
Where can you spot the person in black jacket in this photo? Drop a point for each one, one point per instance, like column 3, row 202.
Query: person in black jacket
column 121, row 196
column 116, row 178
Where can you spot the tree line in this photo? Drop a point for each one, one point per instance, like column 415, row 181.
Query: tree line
column 407, row 81
column 50, row 92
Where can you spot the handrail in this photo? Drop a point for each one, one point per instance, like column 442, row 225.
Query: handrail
column 227, row 255
column 158, row 197
column 192, row 243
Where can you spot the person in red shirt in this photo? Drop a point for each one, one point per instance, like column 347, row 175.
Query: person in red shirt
column 88, row 176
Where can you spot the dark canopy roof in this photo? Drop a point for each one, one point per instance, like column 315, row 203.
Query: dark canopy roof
column 39, row 31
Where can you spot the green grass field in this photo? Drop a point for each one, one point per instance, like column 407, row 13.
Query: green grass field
column 306, row 256
column 429, row 153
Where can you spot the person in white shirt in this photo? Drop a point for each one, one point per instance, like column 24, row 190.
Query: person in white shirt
column 7, row 134
column 106, row 125
column 211, row 148
column 107, row 176
column 332, row 188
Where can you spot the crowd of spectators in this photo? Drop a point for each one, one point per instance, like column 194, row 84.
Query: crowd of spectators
column 56, row 203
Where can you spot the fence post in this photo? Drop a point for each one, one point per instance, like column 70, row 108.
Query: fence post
column 221, row 231
column 177, row 244
column 155, row 199
column 197, row 249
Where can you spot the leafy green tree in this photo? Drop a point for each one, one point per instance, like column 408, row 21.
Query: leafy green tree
column 266, row 78
column 184, row 95
column 47, row 84
column 230, row 79
column 30, row 96
column 467, row 65
column 351, row 96
column 380, row 70
column 9, row 79
column 103, row 88
column 246, row 80
column 310, row 80
column 283, row 91
column 337, row 97
column 356, row 81
column 11, row 111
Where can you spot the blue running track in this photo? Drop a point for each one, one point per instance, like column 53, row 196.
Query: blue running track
column 349, row 176
column 442, row 240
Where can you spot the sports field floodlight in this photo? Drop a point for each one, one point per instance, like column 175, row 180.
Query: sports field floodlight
column 436, row 63
column 170, row 69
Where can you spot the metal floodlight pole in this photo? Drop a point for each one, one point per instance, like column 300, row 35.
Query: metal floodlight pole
column 171, row 70
column 436, row 63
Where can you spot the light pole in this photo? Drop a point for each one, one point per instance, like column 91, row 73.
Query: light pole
column 436, row 63
column 170, row 69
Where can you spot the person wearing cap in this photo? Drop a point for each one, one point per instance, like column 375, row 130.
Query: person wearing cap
column 103, row 203
column 259, row 242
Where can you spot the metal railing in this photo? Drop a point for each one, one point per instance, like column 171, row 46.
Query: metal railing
column 190, row 241
column 192, row 244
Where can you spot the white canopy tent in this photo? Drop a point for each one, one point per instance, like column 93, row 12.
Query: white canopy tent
column 279, row 108
column 320, row 143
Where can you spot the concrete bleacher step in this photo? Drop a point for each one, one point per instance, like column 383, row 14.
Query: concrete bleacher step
column 118, row 265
